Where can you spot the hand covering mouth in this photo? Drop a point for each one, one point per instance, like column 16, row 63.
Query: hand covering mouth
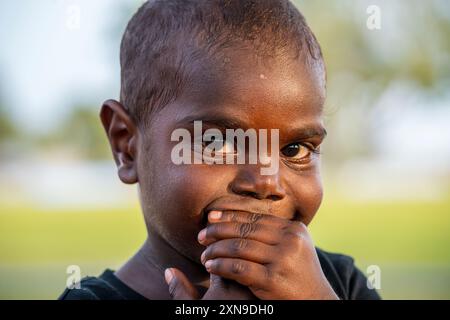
column 240, row 209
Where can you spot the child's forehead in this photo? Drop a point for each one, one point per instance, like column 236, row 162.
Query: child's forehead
column 277, row 86
column 285, row 97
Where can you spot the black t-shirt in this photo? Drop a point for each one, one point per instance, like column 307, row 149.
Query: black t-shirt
column 347, row 281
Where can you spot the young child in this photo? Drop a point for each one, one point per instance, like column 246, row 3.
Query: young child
column 222, row 231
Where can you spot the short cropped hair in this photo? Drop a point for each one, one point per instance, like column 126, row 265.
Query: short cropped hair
column 164, row 37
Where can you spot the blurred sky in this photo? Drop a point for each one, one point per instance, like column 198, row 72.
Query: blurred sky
column 50, row 58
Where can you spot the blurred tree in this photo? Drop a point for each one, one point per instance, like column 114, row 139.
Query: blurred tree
column 412, row 46
column 7, row 127
column 81, row 133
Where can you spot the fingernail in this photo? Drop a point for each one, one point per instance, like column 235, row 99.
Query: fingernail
column 208, row 264
column 168, row 275
column 215, row 214
column 202, row 235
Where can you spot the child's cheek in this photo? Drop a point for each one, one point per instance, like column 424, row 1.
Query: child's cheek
column 308, row 195
column 195, row 186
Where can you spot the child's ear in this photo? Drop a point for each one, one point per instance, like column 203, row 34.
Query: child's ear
column 122, row 135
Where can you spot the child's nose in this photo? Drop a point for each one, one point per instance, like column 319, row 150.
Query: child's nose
column 250, row 182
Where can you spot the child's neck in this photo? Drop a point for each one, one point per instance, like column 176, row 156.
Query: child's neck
column 144, row 272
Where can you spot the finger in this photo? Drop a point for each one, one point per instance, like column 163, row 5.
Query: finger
column 246, row 217
column 226, row 230
column 248, row 273
column 226, row 289
column 241, row 248
column 180, row 288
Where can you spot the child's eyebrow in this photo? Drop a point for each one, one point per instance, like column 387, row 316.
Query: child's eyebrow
column 303, row 132
column 221, row 122
column 311, row 132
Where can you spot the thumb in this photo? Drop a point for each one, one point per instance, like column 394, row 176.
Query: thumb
column 180, row 288
column 216, row 281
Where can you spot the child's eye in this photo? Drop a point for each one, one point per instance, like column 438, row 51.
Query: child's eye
column 296, row 151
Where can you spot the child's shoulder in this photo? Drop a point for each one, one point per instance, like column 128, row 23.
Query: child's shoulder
column 346, row 279
column 104, row 287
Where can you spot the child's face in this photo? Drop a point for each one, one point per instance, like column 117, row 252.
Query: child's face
column 282, row 94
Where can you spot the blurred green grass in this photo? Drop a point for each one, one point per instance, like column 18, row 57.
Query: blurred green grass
column 409, row 241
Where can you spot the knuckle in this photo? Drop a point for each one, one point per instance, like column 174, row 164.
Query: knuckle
column 295, row 226
column 276, row 273
column 245, row 229
column 254, row 217
column 293, row 230
column 294, row 238
column 239, row 245
column 232, row 215
column 289, row 234
column 237, row 267
column 296, row 242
